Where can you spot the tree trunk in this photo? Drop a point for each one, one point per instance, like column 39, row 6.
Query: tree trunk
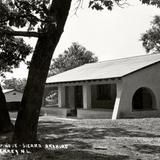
column 5, row 122
column 27, row 119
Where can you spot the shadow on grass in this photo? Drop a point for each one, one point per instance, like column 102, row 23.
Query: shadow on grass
column 58, row 133
column 78, row 137
column 81, row 155
column 59, row 130
column 148, row 149
column 64, row 155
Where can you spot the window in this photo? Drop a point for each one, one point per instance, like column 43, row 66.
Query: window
column 104, row 92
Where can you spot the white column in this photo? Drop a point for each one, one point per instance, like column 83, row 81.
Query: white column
column 86, row 96
column 61, row 96
column 116, row 109
column 71, row 97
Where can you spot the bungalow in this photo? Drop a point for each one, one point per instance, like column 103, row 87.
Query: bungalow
column 12, row 95
column 13, row 98
column 121, row 88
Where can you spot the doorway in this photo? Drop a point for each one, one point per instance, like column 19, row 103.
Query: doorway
column 78, row 100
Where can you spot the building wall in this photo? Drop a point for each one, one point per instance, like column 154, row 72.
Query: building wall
column 13, row 96
column 148, row 77
column 94, row 113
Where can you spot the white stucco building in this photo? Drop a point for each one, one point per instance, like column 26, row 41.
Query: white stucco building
column 122, row 88
column 12, row 95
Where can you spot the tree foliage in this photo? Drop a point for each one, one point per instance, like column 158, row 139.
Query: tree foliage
column 109, row 4
column 151, row 39
column 22, row 13
column 12, row 52
column 36, row 15
column 17, row 84
column 75, row 56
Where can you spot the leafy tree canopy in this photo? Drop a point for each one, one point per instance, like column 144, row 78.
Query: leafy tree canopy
column 151, row 39
column 101, row 4
column 76, row 55
column 12, row 52
column 36, row 14
column 17, row 84
column 32, row 14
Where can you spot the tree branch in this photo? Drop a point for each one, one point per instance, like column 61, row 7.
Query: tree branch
column 20, row 33
column 79, row 5
column 122, row 4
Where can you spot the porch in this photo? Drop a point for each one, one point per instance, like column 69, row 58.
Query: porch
column 83, row 100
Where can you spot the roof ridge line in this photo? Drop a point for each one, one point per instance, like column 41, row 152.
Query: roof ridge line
column 145, row 55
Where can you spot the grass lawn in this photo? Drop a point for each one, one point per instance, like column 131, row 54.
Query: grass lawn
column 96, row 139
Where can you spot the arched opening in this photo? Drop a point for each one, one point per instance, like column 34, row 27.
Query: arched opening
column 143, row 99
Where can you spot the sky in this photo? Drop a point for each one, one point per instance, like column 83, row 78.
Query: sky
column 108, row 34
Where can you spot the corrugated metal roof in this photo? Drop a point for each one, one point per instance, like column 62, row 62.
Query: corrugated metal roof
column 106, row 69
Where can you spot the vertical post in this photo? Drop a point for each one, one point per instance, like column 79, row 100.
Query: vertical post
column 86, row 96
column 61, row 96
column 71, row 97
column 116, row 109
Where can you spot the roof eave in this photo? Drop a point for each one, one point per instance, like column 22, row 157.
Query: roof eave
column 83, row 81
